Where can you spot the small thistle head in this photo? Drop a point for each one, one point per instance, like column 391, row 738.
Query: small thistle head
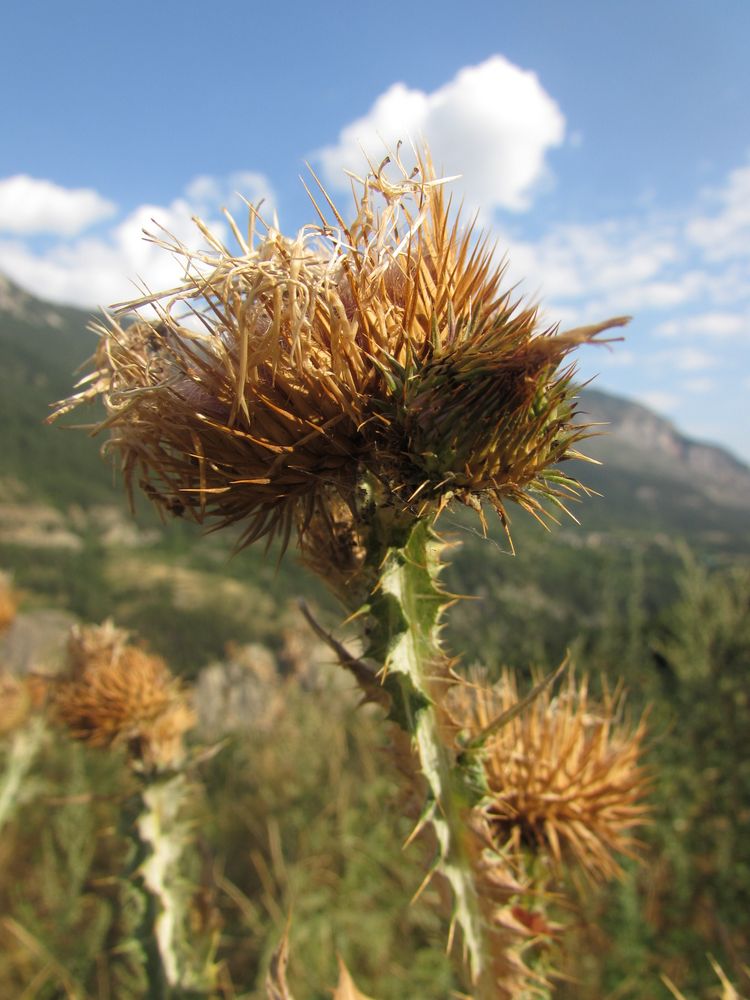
column 118, row 695
column 380, row 350
column 564, row 776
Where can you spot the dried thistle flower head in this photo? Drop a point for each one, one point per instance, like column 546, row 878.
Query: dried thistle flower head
column 564, row 775
column 299, row 367
column 116, row 694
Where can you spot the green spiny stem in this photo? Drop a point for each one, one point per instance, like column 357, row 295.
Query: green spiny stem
column 406, row 606
column 175, row 967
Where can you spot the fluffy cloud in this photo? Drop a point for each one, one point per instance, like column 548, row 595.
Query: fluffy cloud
column 29, row 205
column 493, row 122
column 578, row 262
column 659, row 400
column 647, row 263
column 233, row 192
column 725, row 233
column 101, row 270
column 689, row 359
column 699, row 385
column 712, row 325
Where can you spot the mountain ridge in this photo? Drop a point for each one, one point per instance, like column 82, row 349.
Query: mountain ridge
column 658, row 442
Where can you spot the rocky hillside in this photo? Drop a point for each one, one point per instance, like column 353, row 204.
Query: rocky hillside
column 635, row 437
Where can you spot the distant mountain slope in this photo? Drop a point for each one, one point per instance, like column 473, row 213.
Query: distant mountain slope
column 653, row 479
column 634, row 436
column 41, row 345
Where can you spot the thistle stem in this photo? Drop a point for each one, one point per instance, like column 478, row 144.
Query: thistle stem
column 406, row 605
column 24, row 746
column 174, row 966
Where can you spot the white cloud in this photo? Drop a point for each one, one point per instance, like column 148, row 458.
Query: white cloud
column 494, row 123
column 726, row 232
column 207, row 194
column 30, row 205
column 102, row 270
column 667, row 293
column 713, row 325
column 659, row 400
column 688, row 359
column 647, row 263
column 609, row 267
column 699, row 385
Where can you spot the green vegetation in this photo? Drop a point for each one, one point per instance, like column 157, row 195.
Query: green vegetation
column 300, row 814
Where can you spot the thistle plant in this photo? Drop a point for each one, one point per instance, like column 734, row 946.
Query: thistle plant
column 345, row 386
column 563, row 788
column 116, row 695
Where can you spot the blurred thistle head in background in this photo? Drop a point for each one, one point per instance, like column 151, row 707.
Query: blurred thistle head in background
column 280, row 377
column 115, row 694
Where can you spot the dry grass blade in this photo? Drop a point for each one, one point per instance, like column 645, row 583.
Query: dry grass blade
column 50, row 962
column 277, row 987
column 8, row 602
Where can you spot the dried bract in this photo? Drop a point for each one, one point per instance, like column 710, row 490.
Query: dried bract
column 332, row 545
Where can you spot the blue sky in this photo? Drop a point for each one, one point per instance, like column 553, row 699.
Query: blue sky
column 607, row 145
